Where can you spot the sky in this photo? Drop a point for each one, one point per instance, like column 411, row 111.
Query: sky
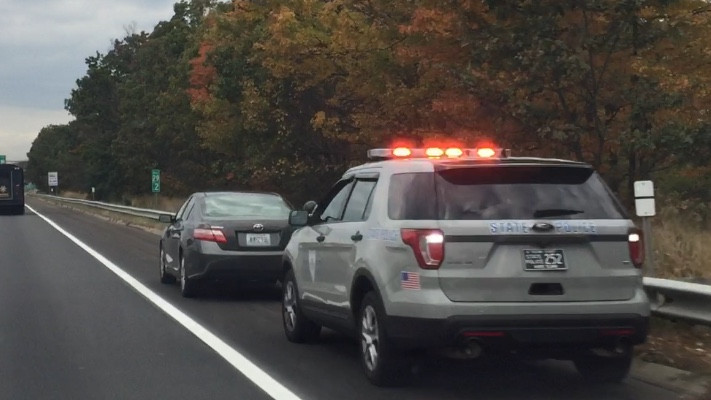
column 43, row 45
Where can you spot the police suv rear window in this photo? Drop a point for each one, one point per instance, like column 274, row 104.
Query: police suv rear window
column 502, row 192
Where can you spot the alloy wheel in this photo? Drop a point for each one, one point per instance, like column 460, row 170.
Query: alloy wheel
column 289, row 305
column 370, row 339
column 165, row 277
column 183, row 278
column 162, row 263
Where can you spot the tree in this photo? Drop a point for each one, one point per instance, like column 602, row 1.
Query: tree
column 563, row 79
column 157, row 127
column 54, row 150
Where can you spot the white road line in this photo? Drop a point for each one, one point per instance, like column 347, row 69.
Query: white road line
column 255, row 374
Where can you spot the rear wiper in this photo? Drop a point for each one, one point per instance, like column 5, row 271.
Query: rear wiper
column 555, row 212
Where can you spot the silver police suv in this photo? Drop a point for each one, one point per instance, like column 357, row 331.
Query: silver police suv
column 466, row 251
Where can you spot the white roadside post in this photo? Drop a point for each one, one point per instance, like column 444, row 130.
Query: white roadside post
column 645, row 208
column 53, row 182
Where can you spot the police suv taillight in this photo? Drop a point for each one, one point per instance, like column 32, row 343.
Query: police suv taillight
column 635, row 242
column 427, row 244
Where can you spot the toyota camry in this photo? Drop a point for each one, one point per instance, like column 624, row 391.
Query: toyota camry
column 226, row 236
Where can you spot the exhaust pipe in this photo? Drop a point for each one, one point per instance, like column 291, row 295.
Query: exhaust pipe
column 622, row 346
column 467, row 349
column 472, row 348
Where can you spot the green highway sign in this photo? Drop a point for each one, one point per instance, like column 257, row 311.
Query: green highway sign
column 155, row 180
column 2, row 159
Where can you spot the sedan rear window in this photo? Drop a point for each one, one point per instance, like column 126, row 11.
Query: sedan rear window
column 245, row 205
column 502, row 192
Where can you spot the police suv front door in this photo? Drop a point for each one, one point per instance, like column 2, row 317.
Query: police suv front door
column 340, row 247
column 317, row 276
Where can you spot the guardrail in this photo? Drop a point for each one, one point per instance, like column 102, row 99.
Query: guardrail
column 679, row 300
column 135, row 211
column 669, row 298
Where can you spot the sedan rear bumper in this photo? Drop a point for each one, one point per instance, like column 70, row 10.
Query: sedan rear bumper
column 219, row 264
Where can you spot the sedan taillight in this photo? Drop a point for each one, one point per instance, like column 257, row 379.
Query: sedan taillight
column 209, row 235
column 635, row 242
column 427, row 244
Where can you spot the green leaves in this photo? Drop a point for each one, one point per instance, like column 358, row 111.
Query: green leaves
column 286, row 94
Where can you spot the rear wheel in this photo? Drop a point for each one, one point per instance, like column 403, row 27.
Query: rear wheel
column 297, row 327
column 604, row 369
column 165, row 277
column 188, row 287
column 382, row 364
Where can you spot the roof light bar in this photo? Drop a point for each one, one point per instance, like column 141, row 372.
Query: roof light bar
column 485, row 152
column 454, row 152
column 434, row 152
column 438, row 153
column 402, row 152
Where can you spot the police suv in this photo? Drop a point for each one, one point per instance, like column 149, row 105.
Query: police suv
column 469, row 251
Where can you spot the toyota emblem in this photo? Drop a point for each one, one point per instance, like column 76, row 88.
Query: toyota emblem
column 542, row 227
column 258, row 227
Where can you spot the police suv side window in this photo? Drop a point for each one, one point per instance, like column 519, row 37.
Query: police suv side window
column 333, row 210
column 411, row 196
column 359, row 200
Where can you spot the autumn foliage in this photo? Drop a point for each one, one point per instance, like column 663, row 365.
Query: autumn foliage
column 285, row 94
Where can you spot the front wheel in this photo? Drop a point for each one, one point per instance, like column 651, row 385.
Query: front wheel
column 297, row 327
column 381, row 362
column 188, row 287
column 604, row 369
column 165, row 277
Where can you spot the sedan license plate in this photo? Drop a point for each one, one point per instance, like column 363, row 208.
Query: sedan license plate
column 544, row 260
column 259, row 239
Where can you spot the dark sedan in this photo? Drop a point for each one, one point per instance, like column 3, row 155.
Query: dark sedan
column 234, row 236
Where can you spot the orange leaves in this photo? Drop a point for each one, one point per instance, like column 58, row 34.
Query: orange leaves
column 432, row 21
column 201, row 75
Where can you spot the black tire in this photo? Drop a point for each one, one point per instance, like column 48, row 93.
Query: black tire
column 297, row 327
column 382, row 363
column 164, row 276
column 188, row 287
column 604, row 369
column 20, row 210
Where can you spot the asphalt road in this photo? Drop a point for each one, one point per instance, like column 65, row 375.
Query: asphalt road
column 70, row 328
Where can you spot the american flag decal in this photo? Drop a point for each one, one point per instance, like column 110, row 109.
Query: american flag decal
column 410, row 280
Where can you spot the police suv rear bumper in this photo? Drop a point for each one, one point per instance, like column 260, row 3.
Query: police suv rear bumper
column 520, row 331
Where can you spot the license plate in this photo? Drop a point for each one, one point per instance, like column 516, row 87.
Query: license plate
column 544, row 260
column 259, row 239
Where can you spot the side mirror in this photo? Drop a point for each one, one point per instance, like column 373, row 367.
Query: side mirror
column 298, row 218
column 166, row 218
column 310, row 206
